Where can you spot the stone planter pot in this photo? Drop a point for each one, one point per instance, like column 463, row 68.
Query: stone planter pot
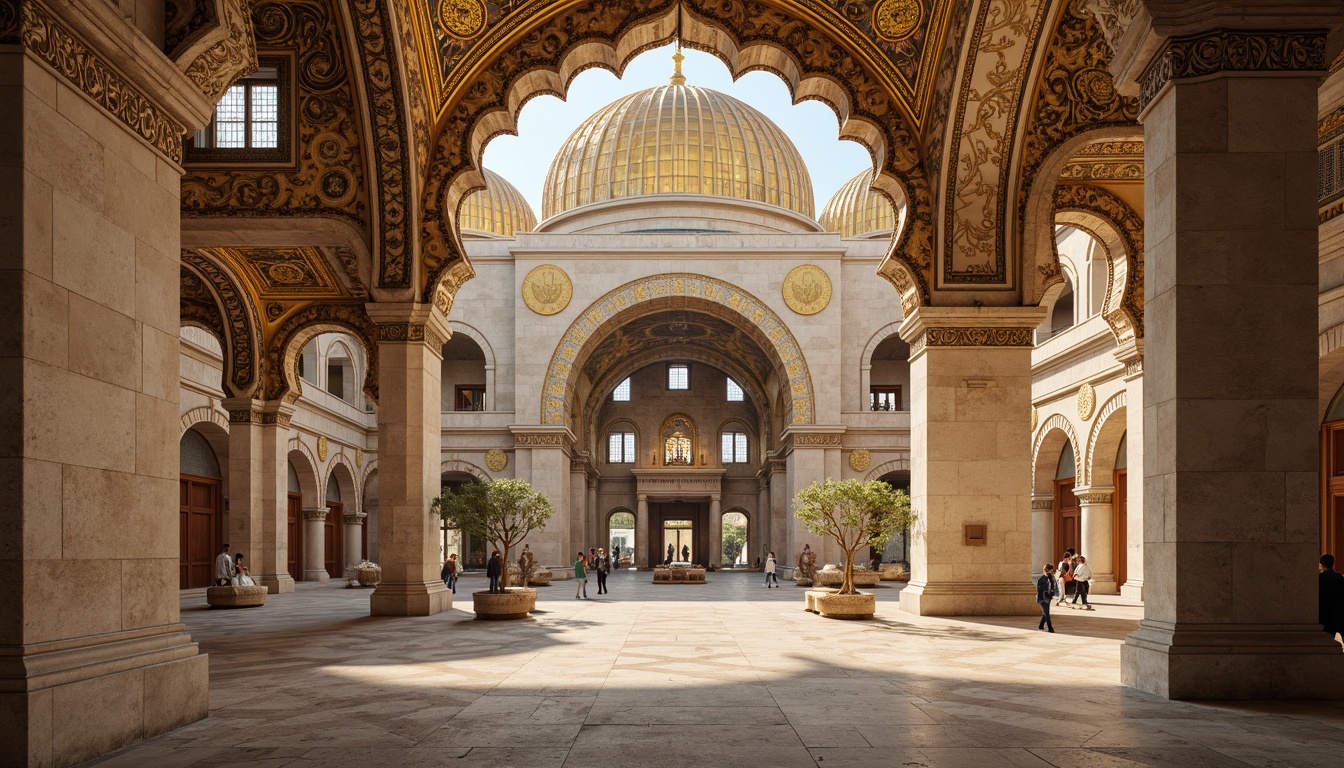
column 811, row 595
column 862, row 578
column 837, row 606
column 512, row 603
column 540, row 578
column 235, row 597
column 369, row 577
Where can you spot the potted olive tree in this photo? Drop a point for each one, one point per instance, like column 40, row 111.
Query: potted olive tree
column 855, row 515
column 503, row 512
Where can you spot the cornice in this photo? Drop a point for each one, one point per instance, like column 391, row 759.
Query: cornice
column 1232, row 50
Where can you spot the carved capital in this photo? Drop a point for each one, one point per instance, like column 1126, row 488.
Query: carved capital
column 539, row 440
column 315, row 513
column 403, row 323
column 355, row 518
column 1233, row 50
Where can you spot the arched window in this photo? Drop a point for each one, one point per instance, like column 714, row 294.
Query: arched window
column 735, row 393
column 733, row 446
column 621, row 394
column 678, row 436
column 621, row 447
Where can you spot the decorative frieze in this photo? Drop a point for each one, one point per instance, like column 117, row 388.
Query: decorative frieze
column 823, row 440
column 355, row 518
column 410, row 333
column 973, row 337
column 1094, row 497
column 315, row 513
column 1229, row 50
column 528, row 440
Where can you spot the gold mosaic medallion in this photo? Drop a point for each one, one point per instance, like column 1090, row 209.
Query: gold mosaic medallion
column 322, row 448
column 1035, row 419
column 807, row 289
column 860, row 460
column 896, row 19
column 462, row 18
column 359, row 457
column 547, row 290
column 496, row 460
column 1087, row 401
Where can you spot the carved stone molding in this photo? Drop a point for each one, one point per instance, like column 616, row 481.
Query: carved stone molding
column 816, row 440
column 974, row 337
column 1094, row 497
column 543, row 439
column 411, row 333
column 282, row 353
column 210, row 288
column 355, row 518
column 244, row 416
column 1048, row 504
column 1123, row 307
column 48, row 38
column 224, row 53
column 316, row 513
column 1225, row 50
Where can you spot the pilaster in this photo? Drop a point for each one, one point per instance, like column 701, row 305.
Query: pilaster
column 970, row 377
column 1131, row 354
column 543, row 460
column 1042, row 531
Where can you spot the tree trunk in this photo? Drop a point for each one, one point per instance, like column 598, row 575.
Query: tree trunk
column 847, row 588
column 504, row 575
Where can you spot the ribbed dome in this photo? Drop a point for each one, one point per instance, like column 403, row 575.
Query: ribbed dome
column 499, row 208
column 677, row 139
column 857, row 210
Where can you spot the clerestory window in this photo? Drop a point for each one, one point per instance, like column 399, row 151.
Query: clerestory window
column 678, row 376
column 622, row 392
column 735, row 393
column 734, row 448
column 251, row 121
column 621, row 448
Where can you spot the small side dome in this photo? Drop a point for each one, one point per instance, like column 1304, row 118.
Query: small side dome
column 499, row 209
column 856, row 210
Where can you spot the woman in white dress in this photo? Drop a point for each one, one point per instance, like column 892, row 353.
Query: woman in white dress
column 244, row 576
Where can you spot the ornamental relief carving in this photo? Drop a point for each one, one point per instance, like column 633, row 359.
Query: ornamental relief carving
column 747, row 23
column 280, row 379
column 974, row 337
column 544, row 439
column 327, row 175
column 1232, row 51
column 824, row 440
column 214, row 58
column 1123, row 306
column 48, row 39
column 211, row 296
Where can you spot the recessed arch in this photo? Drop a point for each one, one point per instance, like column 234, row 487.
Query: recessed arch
column 1108, row 426
column 213, row 298
column 685, row 292
column 888, row 467
column 287, row 342
column 463, row 467
column 345, row 473
column 1119, row 229
column 1331, row 367
column 203, row 415
column 1051, row 437
column 306, row 467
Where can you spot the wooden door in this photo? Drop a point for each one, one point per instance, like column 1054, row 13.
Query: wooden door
column 1068, row 518
column 296, row 535
column 333, row 539
column 1119, row 542
column 199, row 518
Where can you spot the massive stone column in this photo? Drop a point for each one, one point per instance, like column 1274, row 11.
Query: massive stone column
column 542, row 461
column 314, row 544
column 970, row 450
column 715, row 532
column 92, row 653
column 642, row 543
column 1096, row 510
column 258, row 498
column 354, row 538
column 410, row 340
column 1230, row 402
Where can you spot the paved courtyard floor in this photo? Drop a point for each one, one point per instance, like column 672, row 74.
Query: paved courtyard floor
column 726, row 674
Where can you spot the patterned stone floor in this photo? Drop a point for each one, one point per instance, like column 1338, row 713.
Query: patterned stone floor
column 727, row 674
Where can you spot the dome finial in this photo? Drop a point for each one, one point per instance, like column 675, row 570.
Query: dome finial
column 677, row 58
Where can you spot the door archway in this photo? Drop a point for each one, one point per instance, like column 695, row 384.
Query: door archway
column 200, row 508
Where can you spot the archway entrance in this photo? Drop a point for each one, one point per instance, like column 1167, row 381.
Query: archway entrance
column 472, row 552
column 679, row 540
column 333, row 531
column 734, row 539
column 200, row 511
column 1068, row 513
column 621, row 536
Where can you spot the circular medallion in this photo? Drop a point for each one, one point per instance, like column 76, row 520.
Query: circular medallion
column 547, row 290
column 496, row 460
column 1087, row 401
column 285, row 274
column 860, row 460
column 337, row 186
column 462, row 18
column 807, row 289
column 328, row 146
column 896, row 19
column 322, row 448
column 1035, row 419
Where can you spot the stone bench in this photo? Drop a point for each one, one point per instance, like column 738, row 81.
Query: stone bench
column 235, row 597
column 862, row 578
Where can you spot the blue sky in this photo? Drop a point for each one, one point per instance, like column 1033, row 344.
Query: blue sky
column 547, row 121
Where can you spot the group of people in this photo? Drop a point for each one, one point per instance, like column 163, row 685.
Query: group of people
column 597, row 560
column 1070, row 577
column 230, row 571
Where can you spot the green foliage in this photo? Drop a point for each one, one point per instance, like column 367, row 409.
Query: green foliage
column 734, row 539
column 502, row 511
column 854, row 514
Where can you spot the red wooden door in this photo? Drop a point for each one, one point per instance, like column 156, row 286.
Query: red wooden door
column 1120, row 544
column 199, row 521
column 296, row 536
column 1332, row 492
column 1068, row 517
column 333, row 537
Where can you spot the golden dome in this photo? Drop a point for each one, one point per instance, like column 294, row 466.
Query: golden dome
column 499, row 208
column 858, row 210
column 677, row 139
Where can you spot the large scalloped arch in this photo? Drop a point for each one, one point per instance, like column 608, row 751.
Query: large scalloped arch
column 651, row 293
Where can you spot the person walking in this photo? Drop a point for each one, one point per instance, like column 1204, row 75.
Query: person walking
column 1045, row 591
column 1082, row 579
column 494, row 569
column 1331, row 595
column 603, row 568
column 1064, row 572
column 449, row 572
column 770, row 574
column 580, row 576
column 224, row 570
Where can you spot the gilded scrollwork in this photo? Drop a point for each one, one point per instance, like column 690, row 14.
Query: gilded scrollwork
column 973, row 337
column 218, row 51
column 214, row 297
column 1226, row 50
column 327, row 177
column 281, row 363
column 1123, row 307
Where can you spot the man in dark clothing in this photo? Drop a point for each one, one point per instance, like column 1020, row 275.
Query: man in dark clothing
column 1331, row 596
column 603, row 568
column 494, row 569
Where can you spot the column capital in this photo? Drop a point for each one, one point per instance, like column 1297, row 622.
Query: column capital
column 315, row 513
column 1216, row 51
column 1042, row 501
column 404, row 322
column 971, row 327
column 540, row 436
column 355, row 518
column 1093, row 494
column 1130, row 352
column 814, row 435
column 246, row 410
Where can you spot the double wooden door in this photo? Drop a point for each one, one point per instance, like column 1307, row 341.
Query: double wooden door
column 200, row 517
column 295, row 530
column 333, row 540
column 1332, row 492
column 1120, row 534
column 1068, row 518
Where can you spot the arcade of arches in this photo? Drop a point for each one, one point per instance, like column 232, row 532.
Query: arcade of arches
column 1090, row 294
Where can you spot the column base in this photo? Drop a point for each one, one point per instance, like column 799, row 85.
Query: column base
column 1222, row 662
column 1132, row 590
column 316, row 575
column 76, row 702
column 418, row 598
column 1104, row 584
column 969, row 599
column 277, row 584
